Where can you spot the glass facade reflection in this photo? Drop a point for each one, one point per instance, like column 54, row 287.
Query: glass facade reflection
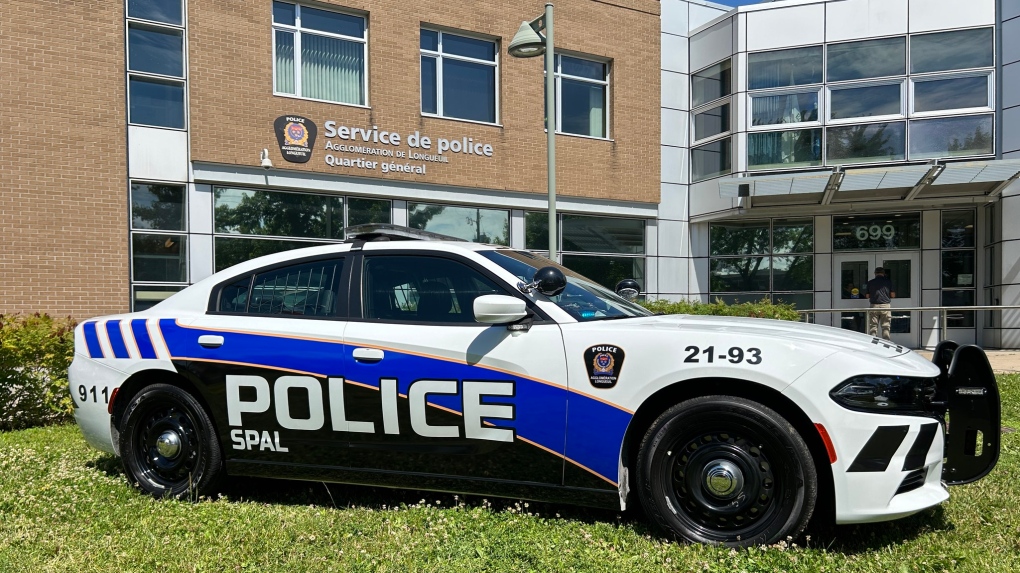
column 866, row 143
column 782, row 68
column 474, row 224
column 710, row 84
column 710, row 160
column 955, row 50
column 876, row 232
column 778, row 149
column 866, row 101
column 951, row 93
column 784, row 108
column 770, row 259
column 951, row 137
column 866, row 59
column 713, row 122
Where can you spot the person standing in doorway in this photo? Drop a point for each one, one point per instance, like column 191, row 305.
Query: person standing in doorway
column 880, row 294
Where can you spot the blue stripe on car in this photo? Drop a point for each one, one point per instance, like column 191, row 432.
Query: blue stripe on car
column 592, row 436
column 142, row 338
column 116, row 339
column 92, row 340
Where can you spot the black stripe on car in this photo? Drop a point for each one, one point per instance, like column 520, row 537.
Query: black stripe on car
column 919, row 449
column 878, row 452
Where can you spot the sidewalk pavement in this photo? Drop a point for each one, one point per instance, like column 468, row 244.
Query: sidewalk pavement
column 1002, row 361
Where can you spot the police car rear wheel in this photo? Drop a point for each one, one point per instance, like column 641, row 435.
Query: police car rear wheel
column 168, row 444
column 721, row 469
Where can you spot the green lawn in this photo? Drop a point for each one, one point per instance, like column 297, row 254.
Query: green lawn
column 66, row 507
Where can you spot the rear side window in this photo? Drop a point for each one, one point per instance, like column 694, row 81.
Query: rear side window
column 308, row 289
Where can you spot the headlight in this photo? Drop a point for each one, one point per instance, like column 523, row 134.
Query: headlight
column 885, row 393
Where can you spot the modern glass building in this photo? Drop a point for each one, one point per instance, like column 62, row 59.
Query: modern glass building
column 807, row 142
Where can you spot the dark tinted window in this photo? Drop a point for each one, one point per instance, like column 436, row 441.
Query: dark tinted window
column 867, row 59
column 957, row 50
column 234, row 297
column 784, row 68
column 308, row 289
column 422, row 289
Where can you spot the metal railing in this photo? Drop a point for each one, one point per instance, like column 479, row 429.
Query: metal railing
column 943, row 313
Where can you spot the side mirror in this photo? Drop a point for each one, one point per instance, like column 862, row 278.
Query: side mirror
column 628, row 289
column 499, row 309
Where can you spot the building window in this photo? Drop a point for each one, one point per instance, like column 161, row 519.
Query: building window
column 774, row 109
column 251, row 223
column 866, row 59
column 159, row 254
column 155, row 63
column 476, row 224
column 868, row 143
column 941, row 94
column 956, row 50
column 951, row 137
column 582, row 96
column 712, row 122
column 604, row 249
column 319, row 54
column 710, row 84
column 755, row 260
column 857, row 101
column 783, row 68
column 163, row 11
column 458, row 76
column 958, row 265
column 710, row 160
column 784, row 149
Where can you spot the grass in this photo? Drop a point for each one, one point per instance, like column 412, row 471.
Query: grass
column 66, row 507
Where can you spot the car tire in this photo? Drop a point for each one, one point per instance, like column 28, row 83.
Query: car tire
column 726, row 470
column 168, row 444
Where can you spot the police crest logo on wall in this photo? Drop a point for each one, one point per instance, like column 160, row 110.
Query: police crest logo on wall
column 604, row 363
column 296, row 136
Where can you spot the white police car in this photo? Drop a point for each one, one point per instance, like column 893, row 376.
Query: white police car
column 444, row 366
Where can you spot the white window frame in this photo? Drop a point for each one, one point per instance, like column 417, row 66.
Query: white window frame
column 558, row 76
column 902, row 81
column 181, row 80
column 298, row 31
column 817, row 89
column 439, row 56
column 990, row 84
column 708, row 107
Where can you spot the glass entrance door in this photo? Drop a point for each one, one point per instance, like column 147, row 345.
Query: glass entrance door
column 851, row 273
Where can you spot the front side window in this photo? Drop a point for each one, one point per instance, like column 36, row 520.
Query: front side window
column 583, row 299
column 866, row 59
column 582, row 95
column 458, row 76
column 319, row 54
column 422, row 289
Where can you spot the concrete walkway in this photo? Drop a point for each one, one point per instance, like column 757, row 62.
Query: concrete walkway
column 1002, row 361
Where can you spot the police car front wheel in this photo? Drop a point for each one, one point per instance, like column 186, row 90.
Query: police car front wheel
column 721, row 469
column 168, row 444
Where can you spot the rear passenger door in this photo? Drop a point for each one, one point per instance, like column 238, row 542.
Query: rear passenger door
column 435, row 392
column 268, row 358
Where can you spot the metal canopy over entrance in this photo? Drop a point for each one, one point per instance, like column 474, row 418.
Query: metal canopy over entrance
column 865, row 189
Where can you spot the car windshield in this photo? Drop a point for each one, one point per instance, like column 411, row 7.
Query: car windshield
column 583, row 299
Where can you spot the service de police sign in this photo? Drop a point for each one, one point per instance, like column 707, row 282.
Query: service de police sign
column 371, row 148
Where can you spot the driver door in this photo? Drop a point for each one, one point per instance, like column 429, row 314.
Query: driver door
column 429, row 390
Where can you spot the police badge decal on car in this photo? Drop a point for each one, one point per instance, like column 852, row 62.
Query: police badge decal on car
column 604, row 363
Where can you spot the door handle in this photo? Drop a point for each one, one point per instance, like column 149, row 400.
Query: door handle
column 210, row 341
column 368, row 354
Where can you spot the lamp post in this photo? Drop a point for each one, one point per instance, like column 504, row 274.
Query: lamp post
column 528, row 43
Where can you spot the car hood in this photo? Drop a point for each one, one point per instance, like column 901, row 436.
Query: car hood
column 800, row 332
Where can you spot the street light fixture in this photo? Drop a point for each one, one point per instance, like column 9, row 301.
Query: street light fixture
column 528, row 42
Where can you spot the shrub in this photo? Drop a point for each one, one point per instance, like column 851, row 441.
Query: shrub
column 761, row 309
column 35, row 352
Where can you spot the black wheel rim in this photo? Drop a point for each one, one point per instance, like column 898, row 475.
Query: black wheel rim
column 722, row 483
column 167, row 445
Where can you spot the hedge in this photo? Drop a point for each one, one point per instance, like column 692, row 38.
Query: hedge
column 761, row 309
column 35, row 352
